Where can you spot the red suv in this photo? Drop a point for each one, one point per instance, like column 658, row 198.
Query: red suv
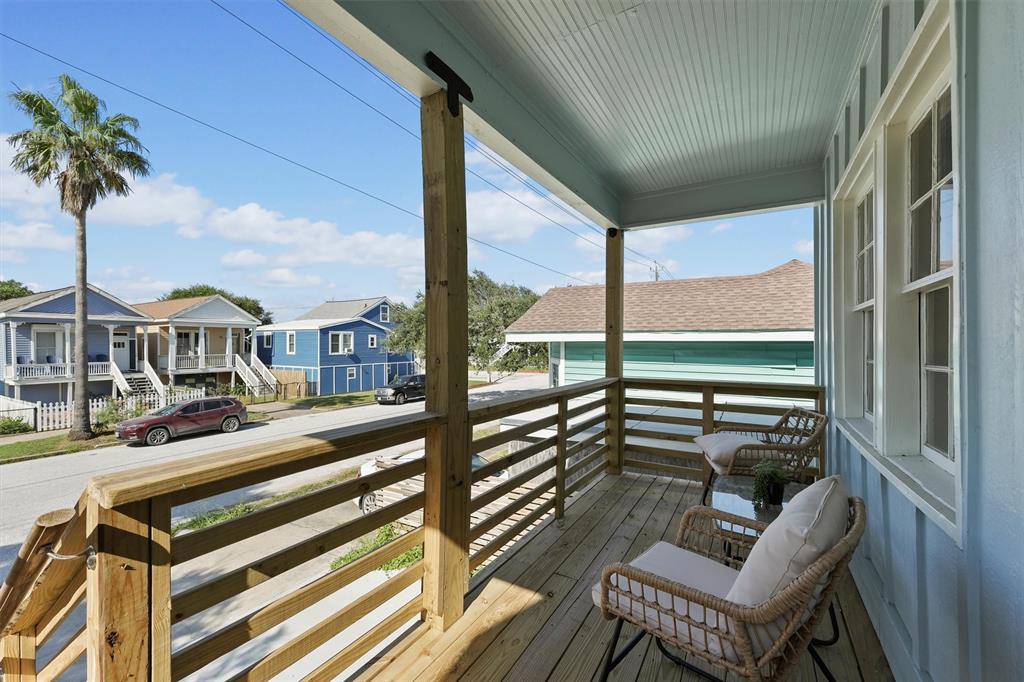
column 207, row 414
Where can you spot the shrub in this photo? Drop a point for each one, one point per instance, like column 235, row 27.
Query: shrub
column 109, row 416
column 14, row 425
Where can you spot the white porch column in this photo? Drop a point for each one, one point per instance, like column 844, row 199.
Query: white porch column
column 145, row 344
column 172, row 349
column 202, row 347
column 252, row 344
column 67, row 343
column 110, row 357
column 229, row 343
column 14, row 346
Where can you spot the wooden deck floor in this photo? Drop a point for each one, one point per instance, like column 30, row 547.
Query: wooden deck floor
column 529, row 616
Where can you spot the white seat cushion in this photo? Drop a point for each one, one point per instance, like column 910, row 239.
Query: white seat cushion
column 720, row 449
column 684, row 567
column 811, row 524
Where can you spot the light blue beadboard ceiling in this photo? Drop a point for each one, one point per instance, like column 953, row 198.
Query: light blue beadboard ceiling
column 659, row 95
column 637, row 113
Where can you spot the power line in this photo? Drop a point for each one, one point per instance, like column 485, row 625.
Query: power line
column 406, row 95
column 276, row 155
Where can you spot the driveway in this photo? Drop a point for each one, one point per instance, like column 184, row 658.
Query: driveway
column 37, row 486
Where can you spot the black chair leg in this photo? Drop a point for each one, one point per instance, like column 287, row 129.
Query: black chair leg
column 821, row 664
column 834, row 637
column 613, row 659
column 685, row 664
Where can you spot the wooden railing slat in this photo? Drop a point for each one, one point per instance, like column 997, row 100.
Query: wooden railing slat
column 580, row 427
column 585, row 443
column 495, row 519
column 333, row 666
column 496, row 409
column 585, row 462
column 196, row 655
column 197, row 543
column 583, row 480
column 504, row 538
column 203, row 596
column 502, row 437
column 684, row 472
column 492, row 494
column 576, row 411
column 695, row 456
column 316, row 636
column 65, row 658
column 662, row 418
column 29, row 564
column 660, row 435
column 497, row 465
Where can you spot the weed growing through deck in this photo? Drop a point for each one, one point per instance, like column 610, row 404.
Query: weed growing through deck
column 234, row 511
column 385, row 534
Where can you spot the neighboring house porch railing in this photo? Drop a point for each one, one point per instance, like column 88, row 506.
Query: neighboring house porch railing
column 264, row 372
column 119, row 380
column 218, row 360
column 53, row 370
column 154, row 379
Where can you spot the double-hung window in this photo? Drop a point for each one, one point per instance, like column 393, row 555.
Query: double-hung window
column 385, row 312
column 341, row 343
column 864, row 269
column 268, row 338
column 930, row 270
column 371, row 341
column 290, row 343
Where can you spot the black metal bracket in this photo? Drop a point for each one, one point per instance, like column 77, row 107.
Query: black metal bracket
column 454, row 85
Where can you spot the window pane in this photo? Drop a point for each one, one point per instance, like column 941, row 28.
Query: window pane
column 944, row 149
column 946, row 226
column 921, row 240
column 921, row 159
column 861, row 231
column 937, row 329
column 869, row 218
column 869, row 388
column 937, row 419
column 869, row 274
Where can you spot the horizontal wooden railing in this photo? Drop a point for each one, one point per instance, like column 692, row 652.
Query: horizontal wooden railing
column 663, row 417
column 533, row 453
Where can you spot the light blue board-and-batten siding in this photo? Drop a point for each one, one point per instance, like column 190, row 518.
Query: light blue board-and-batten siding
column 943, row 609
column 776, row 361
column 97, row 305
column 97, row 343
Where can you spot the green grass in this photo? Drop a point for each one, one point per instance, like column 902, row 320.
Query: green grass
column 234, row 511
column 384, row 535
column 52, row 445
column 335, row 402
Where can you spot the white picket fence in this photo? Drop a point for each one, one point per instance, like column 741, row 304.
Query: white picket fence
column 57, row 416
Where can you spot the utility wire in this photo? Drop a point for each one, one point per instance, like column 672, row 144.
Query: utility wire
column 276, row 155
column 409, row 97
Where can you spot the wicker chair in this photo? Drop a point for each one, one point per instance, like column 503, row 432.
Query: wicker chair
column 762, row 642
column 793, row 442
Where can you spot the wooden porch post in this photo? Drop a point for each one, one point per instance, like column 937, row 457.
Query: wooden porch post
column 128, row 592
column 613, row 347
column 447, row 482
column 18, row 656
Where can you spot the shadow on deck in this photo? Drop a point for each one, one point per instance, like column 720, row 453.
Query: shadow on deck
column 529, row 615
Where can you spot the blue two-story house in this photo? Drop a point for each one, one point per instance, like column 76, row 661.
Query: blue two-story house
column 37, row 345
column 338, row 347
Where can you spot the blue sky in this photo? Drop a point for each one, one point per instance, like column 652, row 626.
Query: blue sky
column 217, row 211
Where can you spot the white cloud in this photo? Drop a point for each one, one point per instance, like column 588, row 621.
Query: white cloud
column 654, row 241
column 286, row 277
column 131, row 284
column 721, row 227
column 34, row 235
column 159, row 201
column 246, row 258
column 804, row 247
column 494, row 216
column 19, row 194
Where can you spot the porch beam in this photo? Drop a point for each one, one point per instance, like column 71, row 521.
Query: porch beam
column 613, row 347
column 448, row 477
column 752, row 193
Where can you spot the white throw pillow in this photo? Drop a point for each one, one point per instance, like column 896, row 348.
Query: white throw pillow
column 810, row 524
column 721, row 449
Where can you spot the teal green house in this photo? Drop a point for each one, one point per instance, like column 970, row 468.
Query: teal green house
column 756, row 327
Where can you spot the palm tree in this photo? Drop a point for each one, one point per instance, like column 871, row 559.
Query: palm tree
column 86, row 156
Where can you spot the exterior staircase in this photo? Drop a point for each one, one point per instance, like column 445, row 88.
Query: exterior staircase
column 139, row 383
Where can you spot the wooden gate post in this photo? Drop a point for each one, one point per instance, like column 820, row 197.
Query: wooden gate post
column 18, row 656
column 128, row 591
column 448, row 478
column 613, row 347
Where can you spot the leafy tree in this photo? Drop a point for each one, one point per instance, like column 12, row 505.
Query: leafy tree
column 87, row 157
column 246, row 303
column 492, row 308
column 12, row 288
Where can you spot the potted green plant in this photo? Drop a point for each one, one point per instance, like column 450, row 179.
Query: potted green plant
column 769, row 483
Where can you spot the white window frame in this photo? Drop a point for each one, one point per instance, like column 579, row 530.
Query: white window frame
column 290, row 345
column 385, row 312
column 268, row 337
column 351, row 374
column 343, row 348
column 371, row 341
column 929, row 109
column 946, row 460
column 58, row 331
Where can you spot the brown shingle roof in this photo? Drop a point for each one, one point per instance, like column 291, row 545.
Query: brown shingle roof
column 161, row 310
column 779, row 299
